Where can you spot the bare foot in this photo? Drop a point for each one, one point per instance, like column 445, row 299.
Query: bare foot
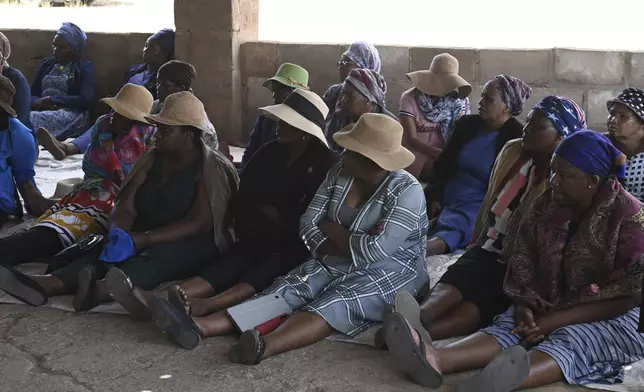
column 193, row 306
column 436, row 246
column 37, row 203
column 55, row 147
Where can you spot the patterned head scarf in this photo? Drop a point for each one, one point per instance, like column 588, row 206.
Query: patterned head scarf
column 564, row 114
column 514, row 92
column 364, row 55
column 632, row 98
column 180, row 73
column 5, row 50
column 370, row 84
column 165, row 39
column 593, row 153
column 73, row 35
column 444, row 110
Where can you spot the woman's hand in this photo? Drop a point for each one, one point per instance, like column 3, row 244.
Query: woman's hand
column 434, row 209
column 43, row 103
column 141, row 240
column 526, row 324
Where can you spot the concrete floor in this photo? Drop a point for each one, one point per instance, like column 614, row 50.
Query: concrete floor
column 50, row 350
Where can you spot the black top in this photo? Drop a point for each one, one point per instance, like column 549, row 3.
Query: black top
column 465, row 129
column 267, row 181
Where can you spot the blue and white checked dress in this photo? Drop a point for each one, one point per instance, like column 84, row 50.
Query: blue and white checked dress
column 586, row 353
column 387, row 245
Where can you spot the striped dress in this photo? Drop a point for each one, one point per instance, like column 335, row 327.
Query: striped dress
column 387, row 246
column 586, row 353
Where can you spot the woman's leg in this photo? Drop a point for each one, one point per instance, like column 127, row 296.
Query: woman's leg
column 231, row 297
column 459, row 321
column 300, row 330
column 197, row 287
column 544, row 370
column 28, row 246
column 441, row 299
column 217, row 324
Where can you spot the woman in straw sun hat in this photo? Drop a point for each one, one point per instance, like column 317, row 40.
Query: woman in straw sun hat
column 275, row 189
column 365, row 228
column 170, row 218
column 429, row 110
column 118, row 140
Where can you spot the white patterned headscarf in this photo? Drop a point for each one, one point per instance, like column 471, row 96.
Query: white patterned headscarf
column 5, row 50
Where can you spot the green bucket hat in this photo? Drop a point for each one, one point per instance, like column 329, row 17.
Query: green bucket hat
column 290, row 75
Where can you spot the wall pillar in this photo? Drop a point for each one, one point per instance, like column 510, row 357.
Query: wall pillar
column 209, row 36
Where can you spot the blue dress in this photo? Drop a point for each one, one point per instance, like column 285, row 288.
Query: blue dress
column 464, row 193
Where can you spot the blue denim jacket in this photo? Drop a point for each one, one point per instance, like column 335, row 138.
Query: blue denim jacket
column 80, row 90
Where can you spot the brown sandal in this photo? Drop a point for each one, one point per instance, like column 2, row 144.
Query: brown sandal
column 179, row 299
column 249, row 350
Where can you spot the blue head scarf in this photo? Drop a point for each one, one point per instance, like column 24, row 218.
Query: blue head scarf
column 564, row 113
column 364, row 55
column 593, row 153
column 165, row 39
column 73, row 35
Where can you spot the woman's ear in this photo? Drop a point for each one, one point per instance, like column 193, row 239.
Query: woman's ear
column 594, row 181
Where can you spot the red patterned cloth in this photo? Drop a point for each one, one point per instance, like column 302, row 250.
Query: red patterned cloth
column 551, row 269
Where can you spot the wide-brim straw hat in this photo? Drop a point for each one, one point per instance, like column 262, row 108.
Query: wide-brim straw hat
column 132, row 101
column 302, row 109
column 290, row 75
column 63, row 187
column 441, row 78
column 379, row 138
column 182, row 109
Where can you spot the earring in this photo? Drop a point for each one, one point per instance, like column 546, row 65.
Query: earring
column 589, row 186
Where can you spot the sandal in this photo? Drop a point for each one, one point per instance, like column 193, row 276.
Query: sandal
column 21, row 287
column 84, row 299
column 408, row 307
column 249, row 350
column 120, row 287
column 179, row 299
column 504, row 373
column 408, row 354
column 56, row 148
column 174, row 322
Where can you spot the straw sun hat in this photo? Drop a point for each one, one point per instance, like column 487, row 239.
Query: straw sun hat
column 442, row 78
column 302, row 109
column 132, row 101
column 182, row 109
column 377, row 137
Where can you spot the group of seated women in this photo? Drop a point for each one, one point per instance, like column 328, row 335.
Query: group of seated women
column 327, row 213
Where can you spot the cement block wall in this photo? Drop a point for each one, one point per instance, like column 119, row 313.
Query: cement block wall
column 112, row 55
column 588, row 77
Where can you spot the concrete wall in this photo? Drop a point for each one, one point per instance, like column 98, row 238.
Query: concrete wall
column 112, row 55
column 231, row 65
column 589, row 78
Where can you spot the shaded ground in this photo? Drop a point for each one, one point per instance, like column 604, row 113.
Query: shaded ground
column 54, row 351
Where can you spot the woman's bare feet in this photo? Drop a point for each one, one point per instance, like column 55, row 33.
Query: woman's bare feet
column 192, row 306
column 37, row 203
column 55, row 147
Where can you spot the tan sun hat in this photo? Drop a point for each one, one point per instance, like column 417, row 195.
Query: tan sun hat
column 132, row 101
column 182, row 109
column 379, row 138
column 63, row 187
column 302, row 109
column 442, row 78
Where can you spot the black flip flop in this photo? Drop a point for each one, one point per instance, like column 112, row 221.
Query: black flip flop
column 21, row 287
column 504, row 373
column 249, row 350
column 379, row 337
column 410, row 356
column 174, row 322
column 408, row 307
column 120, row 287
column 84, row 298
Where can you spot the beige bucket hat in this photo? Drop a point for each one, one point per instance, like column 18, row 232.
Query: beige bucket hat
column 63, row 187
column 302, row 109
column 132, row 101
column 442, row 78
column 182, row 109
column 379, row 138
